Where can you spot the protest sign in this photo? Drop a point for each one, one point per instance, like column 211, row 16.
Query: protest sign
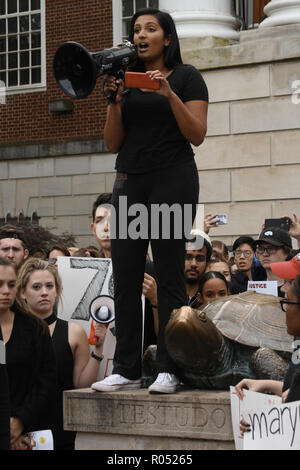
column 238, row 407
column 273, row 424
column 41, row 440
column 238, row 410
column 264, row 287
column 273, row 427
column 83, row 280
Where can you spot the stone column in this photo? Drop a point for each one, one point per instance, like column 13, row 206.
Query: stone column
column 281, row 12
column 203, row 18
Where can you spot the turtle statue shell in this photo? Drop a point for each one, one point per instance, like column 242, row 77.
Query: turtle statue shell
column 252, row 319
column 242, row 335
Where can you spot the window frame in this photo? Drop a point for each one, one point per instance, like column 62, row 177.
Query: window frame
column 36, row 87
column 118, row 21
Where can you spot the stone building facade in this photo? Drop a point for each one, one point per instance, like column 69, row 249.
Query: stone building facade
column 56, row 163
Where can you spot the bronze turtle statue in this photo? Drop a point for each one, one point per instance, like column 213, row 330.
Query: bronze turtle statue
column 238, row 336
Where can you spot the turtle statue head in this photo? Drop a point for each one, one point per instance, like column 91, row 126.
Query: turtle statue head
column 192, row 338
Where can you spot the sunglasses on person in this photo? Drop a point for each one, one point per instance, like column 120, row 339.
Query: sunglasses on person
column 284, row 303
column 270, row 250
column 51, row 260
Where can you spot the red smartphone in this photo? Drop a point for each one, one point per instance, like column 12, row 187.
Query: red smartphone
column 140, row 80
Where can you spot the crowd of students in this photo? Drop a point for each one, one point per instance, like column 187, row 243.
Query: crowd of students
column 45, row 355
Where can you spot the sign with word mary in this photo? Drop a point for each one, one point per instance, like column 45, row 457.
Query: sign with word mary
column 273, row 425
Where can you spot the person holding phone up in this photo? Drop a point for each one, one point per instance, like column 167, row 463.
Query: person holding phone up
column 152, row 131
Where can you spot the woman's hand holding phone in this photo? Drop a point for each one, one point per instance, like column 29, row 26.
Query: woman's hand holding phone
column 149, row 82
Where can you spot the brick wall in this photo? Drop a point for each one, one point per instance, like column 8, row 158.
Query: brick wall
column 26, row 117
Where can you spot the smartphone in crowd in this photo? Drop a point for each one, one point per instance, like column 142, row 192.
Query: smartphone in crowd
column 280, row 223
column 140, row 80
column 223, row 219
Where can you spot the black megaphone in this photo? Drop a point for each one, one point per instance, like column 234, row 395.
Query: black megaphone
column 76, row 69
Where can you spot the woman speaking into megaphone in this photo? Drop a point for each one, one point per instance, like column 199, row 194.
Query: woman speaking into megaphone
column 152, row 131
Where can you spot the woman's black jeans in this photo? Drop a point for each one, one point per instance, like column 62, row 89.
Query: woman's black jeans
column 177, row 185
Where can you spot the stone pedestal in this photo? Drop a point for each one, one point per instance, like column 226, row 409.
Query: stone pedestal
column 136, row 420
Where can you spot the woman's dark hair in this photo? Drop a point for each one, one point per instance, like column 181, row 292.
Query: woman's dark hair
column 211, row 275
column 292, row 254
column 6, row 263
column 218, row 259
column 172, row 55
column 87, row 252
column 58, row 247
column 296, row 286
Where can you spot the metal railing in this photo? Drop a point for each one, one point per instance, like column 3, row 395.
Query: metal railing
column 250, row 12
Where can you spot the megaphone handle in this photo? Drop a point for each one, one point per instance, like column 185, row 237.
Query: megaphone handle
column 113, row 94
column 111, row 97
column 93, row 339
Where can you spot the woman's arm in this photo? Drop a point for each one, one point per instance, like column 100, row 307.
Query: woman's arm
column 113, row 129
column 191, row 116
column 86, row 368
column 272, row 386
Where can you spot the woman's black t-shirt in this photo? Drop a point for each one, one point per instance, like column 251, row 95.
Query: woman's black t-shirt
column 153, row 139
column 32, row 373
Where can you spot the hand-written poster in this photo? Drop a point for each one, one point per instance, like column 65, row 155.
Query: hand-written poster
column 83, row 280
column 273, row 425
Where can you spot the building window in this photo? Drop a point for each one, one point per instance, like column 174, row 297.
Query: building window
column 250, row 12
column 22, row 44
column 129, row 7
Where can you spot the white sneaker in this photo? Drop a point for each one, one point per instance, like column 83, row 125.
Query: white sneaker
column 165, row 383
column 115, row 382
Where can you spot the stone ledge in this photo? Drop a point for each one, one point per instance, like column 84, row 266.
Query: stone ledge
column 188, row 414
column 256, row 46
column 55, row 149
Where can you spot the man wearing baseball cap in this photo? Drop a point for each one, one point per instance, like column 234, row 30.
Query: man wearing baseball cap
column 273, row 246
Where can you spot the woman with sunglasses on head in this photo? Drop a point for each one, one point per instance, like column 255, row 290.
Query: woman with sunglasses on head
column 153, row 132
column 30, row 363
column 289, row 389
column 54, row 252
column 38, row 288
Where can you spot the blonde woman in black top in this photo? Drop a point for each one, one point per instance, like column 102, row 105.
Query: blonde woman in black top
column 38, row 288
column 30, row 362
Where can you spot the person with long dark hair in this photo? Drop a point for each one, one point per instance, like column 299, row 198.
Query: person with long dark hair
column 212, row 286
column 152, row 131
